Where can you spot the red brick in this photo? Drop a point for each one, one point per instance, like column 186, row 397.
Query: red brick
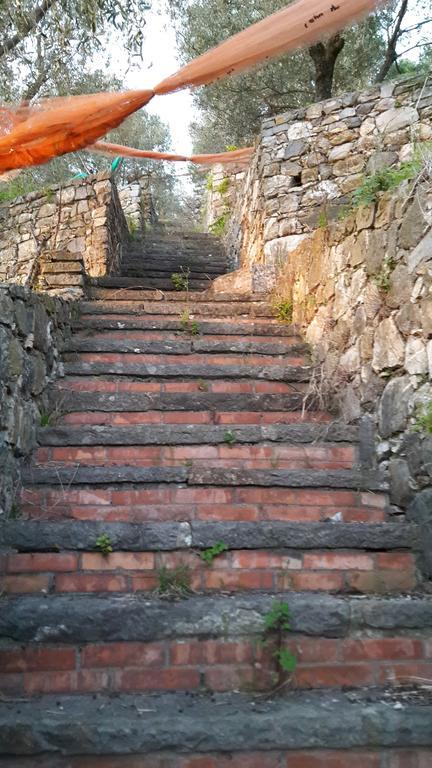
column 94, row 453
column 216, row 579
column 141, row 496
column 381, row 581
column 210, row 652
column 399, row 561
column 187, row 417
column 21, row 584
column 264, row 559
column 227, row 512
column 144, row 583
column 126, row 561
column 333, row 759
column 210, row 495
column 229, row 678
column 43, row 561
column 310, row 649
column 338, row 561
column 321, row 581
column 50, row 682
column 90, row 582
column 172, row 679
column 123, row 654
column 333, row 675
column 231, row 387
column 382, row 648
column 36, row 659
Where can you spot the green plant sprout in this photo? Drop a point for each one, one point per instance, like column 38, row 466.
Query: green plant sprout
column 175, row 582
column 104, row 544
column 208, row 555
column 276, row 625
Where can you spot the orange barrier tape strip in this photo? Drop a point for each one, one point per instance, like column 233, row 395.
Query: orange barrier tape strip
column 299, row 24
column 110, row 149
column 33, row 135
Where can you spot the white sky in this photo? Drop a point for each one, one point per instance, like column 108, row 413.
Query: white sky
column 160, row 61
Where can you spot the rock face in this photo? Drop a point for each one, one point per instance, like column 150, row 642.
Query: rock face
column 32, row 330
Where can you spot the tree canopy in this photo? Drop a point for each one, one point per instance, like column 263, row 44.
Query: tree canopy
column 230, row 111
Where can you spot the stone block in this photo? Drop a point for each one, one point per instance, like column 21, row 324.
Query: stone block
column 393, row 409
column 389, row 348
column 393, row 120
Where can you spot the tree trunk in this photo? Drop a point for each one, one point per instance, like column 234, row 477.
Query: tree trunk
column 391, row 53
column 324, row 57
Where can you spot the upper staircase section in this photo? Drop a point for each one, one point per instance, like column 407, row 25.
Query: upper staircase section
column 193, row 258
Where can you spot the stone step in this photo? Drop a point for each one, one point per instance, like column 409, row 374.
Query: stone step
column 134, row 321
column 219, row 724
column 166, row 264
column 142, row 280
column 167, row 502
column 193, row 434
column 206, row 641
column 340, row 558
column 105, row 395
column 359, row 479
column 123, row 341
column 140, row 367
column 177, row 304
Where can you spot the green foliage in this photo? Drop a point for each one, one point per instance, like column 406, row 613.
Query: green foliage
column 209, row 182
column 180, row 280
column 208, row 555
column 276, row 625
column 16, row 188
column 383, row 180
column 175, row 582
column 104, row 544
column 231, row 147
column 230, row 437
column 423, row 422
column 132, row 226
column 218, row 227
column 202, row 385
column 14, row 512
column 322, row 220
column 277, row 618
column 383, row 279
column 45, row 419
column 224, row 186
column 188, row 325
column 283, row 309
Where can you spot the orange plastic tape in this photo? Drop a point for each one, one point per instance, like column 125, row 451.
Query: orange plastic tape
column 110, row 149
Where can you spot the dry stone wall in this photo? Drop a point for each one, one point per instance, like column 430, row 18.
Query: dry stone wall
column 309, row 161
column 359, row 280
column 52, row 239
column 32, row 330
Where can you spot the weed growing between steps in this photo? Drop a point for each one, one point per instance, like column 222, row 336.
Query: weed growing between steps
column 104, row 544
column 230, row 437
column 188, row 325
column 283, row 310
column 276, row 626
column 208, row 555
column 180, row 280
column 174, row 582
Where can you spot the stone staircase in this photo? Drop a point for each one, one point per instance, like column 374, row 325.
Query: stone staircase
column 186, row 481
column 151, row 261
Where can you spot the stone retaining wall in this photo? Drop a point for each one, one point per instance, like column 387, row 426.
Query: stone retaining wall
column 32, row 329
column 52, row 239
column 358, row 280
column 138, row 207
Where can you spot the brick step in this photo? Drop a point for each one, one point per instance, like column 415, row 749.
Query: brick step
column 181, row 344
column 317, row 758
column 207, row 307
column 232, row 418
column 218, row 724
column 166, row 267
column 263, row 456
column 134, row 321
column 173, row 502
column 232, row 300
column 386, row 568
column 155, row 648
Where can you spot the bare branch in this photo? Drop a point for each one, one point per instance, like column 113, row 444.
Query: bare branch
column 29, row 26
column 391, row 54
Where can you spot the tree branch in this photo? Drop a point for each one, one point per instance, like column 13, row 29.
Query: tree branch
column 30, row 24
column 391, row 54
